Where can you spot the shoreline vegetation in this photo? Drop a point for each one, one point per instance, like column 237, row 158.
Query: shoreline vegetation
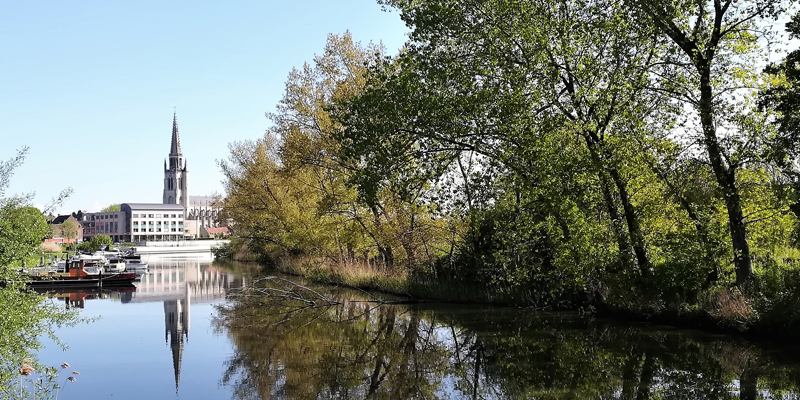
column 27, row 315
column 630, row 157
column 722, row 311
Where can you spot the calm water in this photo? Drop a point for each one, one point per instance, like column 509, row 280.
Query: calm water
column 177, row 336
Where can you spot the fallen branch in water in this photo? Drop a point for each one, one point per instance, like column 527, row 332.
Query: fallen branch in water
column 287, row 291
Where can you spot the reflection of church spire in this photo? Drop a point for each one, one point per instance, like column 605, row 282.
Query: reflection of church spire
column 177, row 324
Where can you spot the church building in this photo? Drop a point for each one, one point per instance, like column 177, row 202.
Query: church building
column 201, row 212
column 176, row 176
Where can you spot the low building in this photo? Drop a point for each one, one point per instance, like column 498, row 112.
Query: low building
column 57, row 228
column 111, row 224
column 212, row 232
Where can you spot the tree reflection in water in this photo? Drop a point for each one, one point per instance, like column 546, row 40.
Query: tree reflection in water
column 362, row 350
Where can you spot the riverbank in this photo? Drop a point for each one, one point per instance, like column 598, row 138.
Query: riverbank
column 720, row 310
column 374, row 278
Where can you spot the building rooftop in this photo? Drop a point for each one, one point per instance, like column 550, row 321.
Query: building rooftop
column 201, row 200
column 60, row 219
column 213, row 231
column 154, row 206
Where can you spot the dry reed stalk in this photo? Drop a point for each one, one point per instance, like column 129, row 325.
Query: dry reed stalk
column 729, row 304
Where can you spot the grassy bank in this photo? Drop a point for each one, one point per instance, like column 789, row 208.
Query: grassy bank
column 376, row 278
column 763, row 311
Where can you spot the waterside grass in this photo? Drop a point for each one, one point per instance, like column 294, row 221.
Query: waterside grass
column 724, row 308
column 376, row 278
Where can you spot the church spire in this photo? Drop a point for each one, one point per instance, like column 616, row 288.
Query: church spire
column 175, row 148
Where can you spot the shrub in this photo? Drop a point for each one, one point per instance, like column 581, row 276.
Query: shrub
column 729, row 305
column 50, row 248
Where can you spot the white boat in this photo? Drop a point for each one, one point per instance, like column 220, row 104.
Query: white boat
column 137, row 266
column 91, row 263
column 117, row 265
column 133, row 263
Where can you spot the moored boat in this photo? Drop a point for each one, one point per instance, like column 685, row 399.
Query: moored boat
column 133, row 263
column 80, row 273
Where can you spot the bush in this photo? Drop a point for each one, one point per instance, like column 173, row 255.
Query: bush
column 95, row 244
column 50, row 248
column 236, row 249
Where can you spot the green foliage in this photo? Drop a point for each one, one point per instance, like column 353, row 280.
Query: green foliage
column 102, row 240
column 289, row 193
column 69, row 229
column 235, row 249
column 27, row 316
column 112, row 208
column 97, row 243
column 542, row 150
column 22, row 229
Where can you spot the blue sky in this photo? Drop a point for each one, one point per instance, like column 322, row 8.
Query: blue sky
column 90, row 86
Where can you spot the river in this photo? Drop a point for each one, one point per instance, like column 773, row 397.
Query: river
column 178, row 335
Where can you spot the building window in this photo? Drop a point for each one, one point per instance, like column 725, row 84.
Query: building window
column 158, row 215
column 135, row 215
column 150, row 215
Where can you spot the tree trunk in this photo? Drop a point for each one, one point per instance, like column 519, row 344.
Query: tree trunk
column 646, row 379
column 635, row 230
column 631, row 219
column 629, row 375
column 726, row 179
column 613, row 212
column 748, row 383
column 388, row 256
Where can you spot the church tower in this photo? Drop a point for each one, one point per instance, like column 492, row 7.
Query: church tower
column 176, row 177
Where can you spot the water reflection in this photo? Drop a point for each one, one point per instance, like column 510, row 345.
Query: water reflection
column 77, row 297
column 180, row 282
column 358, row 350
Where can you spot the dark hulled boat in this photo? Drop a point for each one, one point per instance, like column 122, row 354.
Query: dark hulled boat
column 75, row 275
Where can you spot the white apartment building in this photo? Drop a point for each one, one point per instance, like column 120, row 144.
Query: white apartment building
column 154, row 222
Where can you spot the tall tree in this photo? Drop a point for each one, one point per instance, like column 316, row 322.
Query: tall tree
column 500, row 79
column 714, row 45
column 783, row 96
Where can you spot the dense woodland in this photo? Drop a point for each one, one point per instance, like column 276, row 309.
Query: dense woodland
column 640, row 155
